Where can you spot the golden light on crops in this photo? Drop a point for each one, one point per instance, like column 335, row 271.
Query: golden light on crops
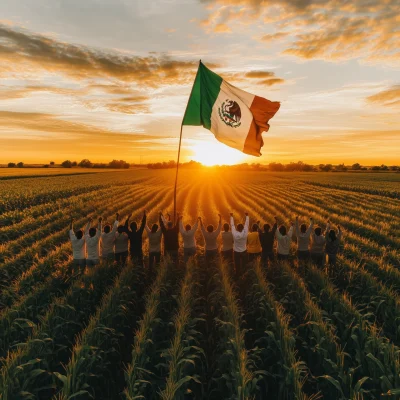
column 209, row 154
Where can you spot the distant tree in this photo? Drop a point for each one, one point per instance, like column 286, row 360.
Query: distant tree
column 66, row 164
column 11, row 165
column 340, row 168
column 52, row 163
column 20, row 164
column 118, row 164
column 46, row 166
column 394, row 168
column 376, row 168
column 276, row 167
column 85, row 163
column 74, row 163
column 325, row 167
column 356, row 167
column 384, row 167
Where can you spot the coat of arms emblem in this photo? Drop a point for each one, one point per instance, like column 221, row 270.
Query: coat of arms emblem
column 230, row 113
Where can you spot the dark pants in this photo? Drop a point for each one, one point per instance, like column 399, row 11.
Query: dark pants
column 211, row 256
column 137, row 258
column 187, row 253
column 332, row 260
column 318, row 259
column 266, row 257
column 253, row 256
column 154, row 258
column 173, row 254
column 227, row 256
column 121, row 257
column 77, row 265
column 283, row 257
column 240, row 259
column 303, row 255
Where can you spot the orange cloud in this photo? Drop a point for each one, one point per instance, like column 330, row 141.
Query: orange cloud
column 387, row 98
column 222, row 28
column 332, row 29
column 25, row 50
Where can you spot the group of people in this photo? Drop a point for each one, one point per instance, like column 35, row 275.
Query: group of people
column 238, row 244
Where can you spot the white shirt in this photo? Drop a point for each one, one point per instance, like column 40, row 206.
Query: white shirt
column 210, row 238
column 189, row 240
column 92, row 244
column 78, row 245
column 154, row 240
column 107, row 241
column 284, row 242
column 303, row 239
column 240, row 238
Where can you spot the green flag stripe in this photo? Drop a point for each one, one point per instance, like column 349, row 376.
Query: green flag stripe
column 205, row 91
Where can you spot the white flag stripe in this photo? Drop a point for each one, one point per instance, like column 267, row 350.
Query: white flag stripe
column 235, row 135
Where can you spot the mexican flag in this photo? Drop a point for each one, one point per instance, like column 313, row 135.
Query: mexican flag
column 236, row 118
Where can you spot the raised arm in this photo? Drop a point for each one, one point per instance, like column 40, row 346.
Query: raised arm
column 195, row 226
column 71, row 232
column 327, row 229
column 148, row 230
column 232, row 222
column 162, row 223
column 181, row 229
column 126, row 225
column 296, row 227
column 309, row 230
column 291, row 230
column 246, row 223
column 143, row 224
column 88, row 225
column 219, row 227
column 275, row 227
column 99, row 227
column 340, row 232
column 116, row 223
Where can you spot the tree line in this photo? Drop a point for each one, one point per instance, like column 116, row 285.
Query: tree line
column 279, row 167
column 85, row 163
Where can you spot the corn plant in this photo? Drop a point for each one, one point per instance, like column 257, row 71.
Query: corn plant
column 141, row 373
column 185, row 357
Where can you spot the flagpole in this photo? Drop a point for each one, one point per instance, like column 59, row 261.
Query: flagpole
column 179, row 148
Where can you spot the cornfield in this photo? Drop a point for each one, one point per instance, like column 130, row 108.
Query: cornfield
column 198, row 331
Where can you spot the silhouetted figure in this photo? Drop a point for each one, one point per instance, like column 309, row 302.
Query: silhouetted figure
column 121, row 245
column 317, row 247
column 93, row 245
column 267, row 239
column 189, row 241
column 171, row 239
column 135, row 236
column 211, row 240
column 154, row 235
column 108, row 240
column 239, row 234
column 303, row 235
column 284, row 239
column 332, row 243
column 78, row 242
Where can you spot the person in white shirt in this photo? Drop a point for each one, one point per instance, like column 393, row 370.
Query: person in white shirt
column 239, row 234
column 189, row 241
column 108, row 240
column 227, row 244
column 78, row 242
column 121, row 245
column 210, row 239
column 284, row 239
column 303, row 240
column 93, row 245
column 155, row 235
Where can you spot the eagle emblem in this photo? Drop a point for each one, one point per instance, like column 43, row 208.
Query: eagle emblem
column 230, row 113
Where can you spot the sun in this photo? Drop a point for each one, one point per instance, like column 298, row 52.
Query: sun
column 216, row 153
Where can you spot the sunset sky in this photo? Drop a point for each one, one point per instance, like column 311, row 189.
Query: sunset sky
column 106, row 79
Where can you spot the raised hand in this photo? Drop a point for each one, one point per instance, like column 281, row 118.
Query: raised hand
column 246, row 214
column 100, row 219
column 231, row 214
